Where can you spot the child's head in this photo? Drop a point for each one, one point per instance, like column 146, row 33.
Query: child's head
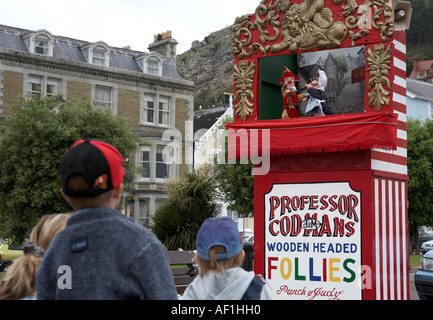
column 92, row 171
column 20, row 280
column 219, row 246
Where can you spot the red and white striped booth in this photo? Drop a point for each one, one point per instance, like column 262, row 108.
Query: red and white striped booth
column 330, row 192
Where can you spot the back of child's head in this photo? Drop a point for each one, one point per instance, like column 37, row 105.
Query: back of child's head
column 219, row 246
column 90, row 169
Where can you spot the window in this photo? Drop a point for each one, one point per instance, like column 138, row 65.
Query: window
column 98, row 57
column 35, row 85
column 161, row 167
column 163, row 110
column 143, row 213
column 53, row 87
column 41, row 45
column 145, row 162
column 151, row 159
column 148, row 109
column 152, row 66
column 150, row 63
column 39, row 42
column 97, row 53
column 152, row 115
column 102, row 97
column 42, row 85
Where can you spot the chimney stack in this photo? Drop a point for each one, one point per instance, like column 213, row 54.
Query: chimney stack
column 165, row 45
column 415, row 63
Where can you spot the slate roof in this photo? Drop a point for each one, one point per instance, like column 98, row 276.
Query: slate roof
column 422, row 90
column 205, row 119
column 69, row 49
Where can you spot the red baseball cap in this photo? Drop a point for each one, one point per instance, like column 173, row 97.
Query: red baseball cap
column 99, row 162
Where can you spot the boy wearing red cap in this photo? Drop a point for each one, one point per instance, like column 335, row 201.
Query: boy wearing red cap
column 101, row 255
column 291, row 98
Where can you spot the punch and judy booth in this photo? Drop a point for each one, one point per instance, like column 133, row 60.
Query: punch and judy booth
column 330, row 179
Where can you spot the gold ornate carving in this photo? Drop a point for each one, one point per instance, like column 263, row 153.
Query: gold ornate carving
column 368, row 15
column 244, row 78
column 379, row 60
column 310, row 25
column 304, row 26
column 385, row 8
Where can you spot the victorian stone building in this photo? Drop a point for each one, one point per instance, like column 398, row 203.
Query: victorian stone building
column 143, row 87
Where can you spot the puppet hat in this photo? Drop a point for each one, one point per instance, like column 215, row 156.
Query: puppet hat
column 288, row 74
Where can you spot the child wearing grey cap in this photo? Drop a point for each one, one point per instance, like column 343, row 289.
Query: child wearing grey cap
column 219, row 257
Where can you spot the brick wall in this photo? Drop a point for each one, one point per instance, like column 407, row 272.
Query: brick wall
column 12, row 90
column 129, row 107
column 78, row 90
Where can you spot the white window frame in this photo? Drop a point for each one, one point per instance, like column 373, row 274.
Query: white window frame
column 153, row 66
column 35, row 85
column 150, row 63
column 154, row 161
column 159, row 161
column 141, row 161
column 143, row 213
column 45, row 45
column 103, row 104
column 148, row 105
column 114, row 95
column 33, row 39
column 55, row 84
column 89, row 51
column 44, row 82
column 162, row 110
column 98, row 56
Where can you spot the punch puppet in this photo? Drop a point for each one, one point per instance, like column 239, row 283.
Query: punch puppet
column 291, row 98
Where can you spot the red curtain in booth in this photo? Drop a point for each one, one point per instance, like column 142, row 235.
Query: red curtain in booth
column 313, row 134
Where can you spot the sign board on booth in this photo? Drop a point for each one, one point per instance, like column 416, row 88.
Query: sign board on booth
column 313, row 241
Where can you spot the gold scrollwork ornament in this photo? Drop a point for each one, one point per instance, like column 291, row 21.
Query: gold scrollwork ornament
column 379, row 60
column 244, row 77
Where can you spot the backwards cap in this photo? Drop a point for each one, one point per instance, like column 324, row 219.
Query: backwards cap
column 218, row 231
column 99, row 162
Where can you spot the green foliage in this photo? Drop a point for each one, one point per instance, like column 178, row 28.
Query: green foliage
column 203, row 98
column 420, row 168
column 190, row 202
column 32, row 144
column 236, row 183
column 419, row 37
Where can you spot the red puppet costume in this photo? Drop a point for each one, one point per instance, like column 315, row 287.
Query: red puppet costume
column 291, row 98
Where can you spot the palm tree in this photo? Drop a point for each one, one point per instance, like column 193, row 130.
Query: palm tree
column 190, row 202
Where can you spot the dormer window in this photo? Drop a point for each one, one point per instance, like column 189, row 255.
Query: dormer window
column 41, row 45
column 150, row 63
column 39, row 42
column 152, row 66
column 97, row 53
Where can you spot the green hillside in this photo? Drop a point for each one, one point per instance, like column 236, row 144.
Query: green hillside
column 419, row 37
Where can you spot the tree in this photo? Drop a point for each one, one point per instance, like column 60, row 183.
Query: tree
column 190, row 202
column 420, row 169
column 32, row 143
column 236, row 183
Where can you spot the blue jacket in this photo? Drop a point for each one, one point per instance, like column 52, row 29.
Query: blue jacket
column 101, row 255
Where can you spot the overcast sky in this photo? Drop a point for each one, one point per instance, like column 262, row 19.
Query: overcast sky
column 126, row 22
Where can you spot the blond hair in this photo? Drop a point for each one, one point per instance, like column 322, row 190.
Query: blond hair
column 215, row 265
column 20, row 279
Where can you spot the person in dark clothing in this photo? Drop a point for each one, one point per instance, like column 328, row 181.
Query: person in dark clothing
column 101, row 255
column 317, row 106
